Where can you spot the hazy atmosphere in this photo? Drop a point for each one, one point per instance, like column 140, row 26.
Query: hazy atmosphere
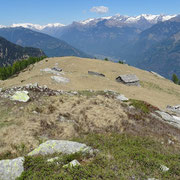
column 89, row 90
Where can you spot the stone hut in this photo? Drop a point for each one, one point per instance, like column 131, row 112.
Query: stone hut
column 128, row 79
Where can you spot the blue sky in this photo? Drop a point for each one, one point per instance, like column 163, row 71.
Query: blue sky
column 67, row 11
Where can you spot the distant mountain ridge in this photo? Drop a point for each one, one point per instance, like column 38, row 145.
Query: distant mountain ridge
column 50, row 45
column 10, row 52
column 116, row 20
column 147, row 41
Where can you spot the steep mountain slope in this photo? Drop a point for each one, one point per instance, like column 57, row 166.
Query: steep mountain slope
column 157, row 49
column 50, row 45
column 99, row 39
column 10, row 52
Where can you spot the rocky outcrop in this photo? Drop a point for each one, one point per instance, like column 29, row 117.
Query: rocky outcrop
column 170, row 119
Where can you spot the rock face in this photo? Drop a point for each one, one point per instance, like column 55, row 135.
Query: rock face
column 59, row 146
column 128, row 79
column 21, row 96
column 96, row 73
column 173, row 120
column 175, row 109
column 11, row 169
column 60, row 79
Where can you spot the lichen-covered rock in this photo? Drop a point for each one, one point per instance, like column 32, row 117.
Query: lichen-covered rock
column 11, row 169
column 21, row 96
column 60, row 146
column 72, row 164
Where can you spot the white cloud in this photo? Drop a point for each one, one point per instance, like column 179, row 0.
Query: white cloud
column 99, row 9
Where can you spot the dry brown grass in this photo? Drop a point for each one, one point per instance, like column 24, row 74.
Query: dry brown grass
column 24, row 125
column 66, row 116
column 156, row 91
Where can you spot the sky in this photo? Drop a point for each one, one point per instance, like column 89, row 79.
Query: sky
column 66, row 11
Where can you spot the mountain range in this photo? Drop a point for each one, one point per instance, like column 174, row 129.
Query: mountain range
column 50, row 45
column 10, row 52
column 146, row 41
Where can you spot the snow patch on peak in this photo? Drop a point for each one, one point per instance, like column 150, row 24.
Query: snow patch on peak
column 1, row 26
column 37, row 26
column 87, row 21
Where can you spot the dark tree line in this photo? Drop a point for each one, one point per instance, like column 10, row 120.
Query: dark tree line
column 175, row 79
column 16, row 67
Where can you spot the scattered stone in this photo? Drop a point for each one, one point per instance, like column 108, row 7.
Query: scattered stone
column 52, row 71
column 0, row 89
column 164, row 168
column 35, row 112
column 152, row 179
column 72, row 164
column 11, row 169
column 52, row 159
column 56, row 69
column 63, row 119
column 121, row 97
column 96, row 73
column 60, row 146
column 21, row 96
column 35, row 85
column 170, row 142
column 156, row 74
column 59, row 79
column 128, row 79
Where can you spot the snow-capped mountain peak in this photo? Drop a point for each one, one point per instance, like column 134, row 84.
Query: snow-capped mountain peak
column 37, row 26
column 119, row 20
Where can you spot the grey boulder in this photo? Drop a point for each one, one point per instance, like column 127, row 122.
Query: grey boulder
column 60, row 146
column 11, row 169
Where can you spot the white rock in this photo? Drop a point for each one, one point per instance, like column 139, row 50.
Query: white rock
column 121, row 97
column 72, row 164
column 164, row 168
column 59, row 79
column 52, row 159
column 173, row 120
column 49, row 70
column 11, row 169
